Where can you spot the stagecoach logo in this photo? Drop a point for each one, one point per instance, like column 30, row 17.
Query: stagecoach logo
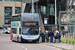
column 15, row 24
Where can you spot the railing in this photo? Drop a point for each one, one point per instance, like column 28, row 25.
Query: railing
column 69, row 38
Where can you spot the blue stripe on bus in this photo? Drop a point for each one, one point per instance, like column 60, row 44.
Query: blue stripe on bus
column 39, row 20
column 29, row 34
column 23, row 40
column 21, row 19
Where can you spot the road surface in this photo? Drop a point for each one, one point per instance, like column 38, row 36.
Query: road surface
column 7, row 44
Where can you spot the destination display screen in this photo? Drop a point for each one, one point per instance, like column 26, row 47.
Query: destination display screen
column 29, row 23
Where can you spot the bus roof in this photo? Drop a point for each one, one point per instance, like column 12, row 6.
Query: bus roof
column 15, row 14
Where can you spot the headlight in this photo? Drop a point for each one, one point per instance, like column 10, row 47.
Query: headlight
column 35, row 36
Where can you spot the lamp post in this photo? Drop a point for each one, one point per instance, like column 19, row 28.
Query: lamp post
column 32, row 6
column 47, row 12
column 56, row 13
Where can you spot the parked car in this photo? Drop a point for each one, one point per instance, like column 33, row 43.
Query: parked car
column 8, row 30
column 4, row 30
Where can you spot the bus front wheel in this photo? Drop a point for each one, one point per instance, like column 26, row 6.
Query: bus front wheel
column 18, row 40
column 13, row 41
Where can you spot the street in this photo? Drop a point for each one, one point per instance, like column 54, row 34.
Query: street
column 7, row 44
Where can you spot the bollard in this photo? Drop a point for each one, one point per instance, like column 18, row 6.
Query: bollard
column 66, row 42
column 73, row 35
column 72, row 42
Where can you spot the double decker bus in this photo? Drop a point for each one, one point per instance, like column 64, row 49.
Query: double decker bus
column 25, row 27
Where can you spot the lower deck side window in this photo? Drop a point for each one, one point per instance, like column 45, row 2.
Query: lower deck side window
column 14, row 30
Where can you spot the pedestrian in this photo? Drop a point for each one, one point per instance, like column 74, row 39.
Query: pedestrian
column 56, row 37
column 46, row 36
column 59, row 38
column 42, row 36
column 56, row 31
column 51, row 34
column 63, row 32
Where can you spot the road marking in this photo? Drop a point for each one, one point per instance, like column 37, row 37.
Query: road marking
column 22, row 46
column 25, row 48
column 51, row 46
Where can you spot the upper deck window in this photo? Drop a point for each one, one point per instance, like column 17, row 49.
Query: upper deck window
column 16, row 18
column 26, row 17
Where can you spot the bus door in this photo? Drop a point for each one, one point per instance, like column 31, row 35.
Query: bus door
column 20, row 30
column 14, row 33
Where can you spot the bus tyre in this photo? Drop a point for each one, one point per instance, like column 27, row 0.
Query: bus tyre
column 13, row 41
column 6, row 32
column 18, row 40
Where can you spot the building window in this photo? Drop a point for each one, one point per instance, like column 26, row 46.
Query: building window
column 7, row 15
column 43, row 9
column 32, row 10
column 17, row 10
column 8, row 11
column 51, row 19
column 52, row 10
column 7, row 21
column 8, row 8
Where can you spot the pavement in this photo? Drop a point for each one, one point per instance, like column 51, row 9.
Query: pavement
column 62, row 46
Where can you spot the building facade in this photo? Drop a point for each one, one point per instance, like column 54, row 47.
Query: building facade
column 45, row 9
column 8, row 8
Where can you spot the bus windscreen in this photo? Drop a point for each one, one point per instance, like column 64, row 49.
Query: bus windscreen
column 29, row 30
